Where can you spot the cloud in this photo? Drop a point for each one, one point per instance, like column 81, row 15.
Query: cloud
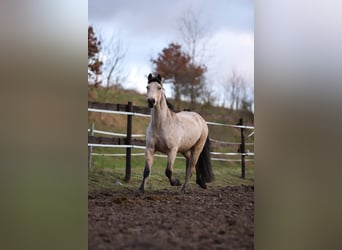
column 156, row 16
column 232, row 50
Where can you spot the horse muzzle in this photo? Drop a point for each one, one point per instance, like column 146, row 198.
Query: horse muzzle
column 151, row 102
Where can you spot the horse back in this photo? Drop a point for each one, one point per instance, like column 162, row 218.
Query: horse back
column 192, row 119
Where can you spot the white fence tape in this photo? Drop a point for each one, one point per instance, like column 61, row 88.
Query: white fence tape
column 226, row 142
column 220, row 153
column 232, row 143
column 144, row 115
column 164, row 156
column 117, row 112
column 230, row 125
column 114, row 134
column 143, row 135
column 222, row 159
column 158, row 155
column 143, row 147
column 114, row 146
column 135, row 154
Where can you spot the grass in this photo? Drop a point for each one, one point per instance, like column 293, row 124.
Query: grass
column 108, row 173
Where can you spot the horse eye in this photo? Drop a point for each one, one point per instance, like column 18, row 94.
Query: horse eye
column 159, row 88
column 147, row 87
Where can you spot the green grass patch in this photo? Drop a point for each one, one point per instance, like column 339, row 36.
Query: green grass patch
column 108, row 173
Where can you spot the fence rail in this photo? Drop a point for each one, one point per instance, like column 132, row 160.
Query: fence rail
column 128, row 141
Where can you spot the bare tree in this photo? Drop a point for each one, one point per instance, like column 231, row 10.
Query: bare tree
column 113, row 53
column 247, row 98
column 236, row 90
column 207, row 96
column 194, row 35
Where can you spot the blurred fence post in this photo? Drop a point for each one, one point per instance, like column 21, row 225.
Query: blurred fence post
column 90, row 148
column 242, row 150
column 128, row 142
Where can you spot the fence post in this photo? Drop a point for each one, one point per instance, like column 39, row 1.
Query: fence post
column 90, row 148
column 128, row 142
column 242, row 149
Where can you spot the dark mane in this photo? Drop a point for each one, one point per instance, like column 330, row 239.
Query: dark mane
column 169, row 105
column 153, row 79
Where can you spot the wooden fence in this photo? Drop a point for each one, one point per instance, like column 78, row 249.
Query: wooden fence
column 128, row 142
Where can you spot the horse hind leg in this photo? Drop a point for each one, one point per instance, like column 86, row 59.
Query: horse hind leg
column 169, row 168
column 195, row 153
column 187, row 156
column 199, row 177
column 199, row 180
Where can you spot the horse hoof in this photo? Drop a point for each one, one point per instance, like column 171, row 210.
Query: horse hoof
column 176, row 183
column 184, row 189
column 141, row 190
column 202, row 184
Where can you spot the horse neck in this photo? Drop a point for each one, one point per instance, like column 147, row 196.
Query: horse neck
column 160, row 113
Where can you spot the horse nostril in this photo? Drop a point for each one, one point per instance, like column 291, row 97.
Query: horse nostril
column 151, row 102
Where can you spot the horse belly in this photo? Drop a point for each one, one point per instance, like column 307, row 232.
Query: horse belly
column 188, row 141
column 191, row 128
column 180, row 141
column 162, row 147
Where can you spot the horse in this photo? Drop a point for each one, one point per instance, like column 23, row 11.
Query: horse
column 170, row 132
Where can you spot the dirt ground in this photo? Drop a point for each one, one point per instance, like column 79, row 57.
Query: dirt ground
column 215, row 218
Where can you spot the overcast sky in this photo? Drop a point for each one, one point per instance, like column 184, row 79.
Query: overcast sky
column 147, row 26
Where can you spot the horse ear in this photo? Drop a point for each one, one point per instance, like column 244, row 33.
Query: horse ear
column 159, row 78
column 149, row 78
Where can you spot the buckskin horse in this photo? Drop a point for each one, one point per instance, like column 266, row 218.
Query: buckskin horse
column 170, row 132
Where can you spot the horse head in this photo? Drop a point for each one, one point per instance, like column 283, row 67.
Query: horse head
column 154, row 90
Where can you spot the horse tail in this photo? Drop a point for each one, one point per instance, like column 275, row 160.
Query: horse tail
column 203, row 169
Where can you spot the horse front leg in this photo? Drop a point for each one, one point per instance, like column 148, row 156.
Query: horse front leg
column 169, row 168
column 149, row 153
